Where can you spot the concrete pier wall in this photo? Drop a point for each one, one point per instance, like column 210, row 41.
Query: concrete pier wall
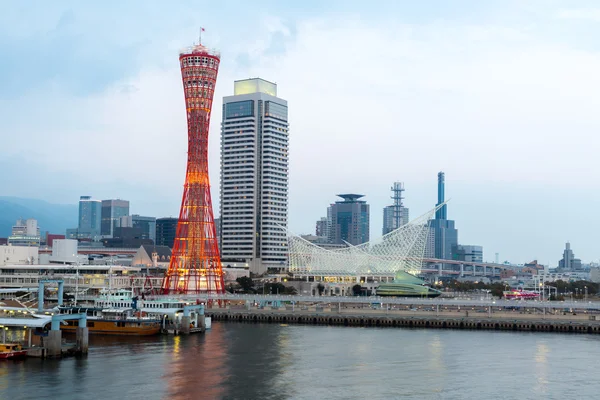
column 434, row 322
column 54, row 343
column 82, row 340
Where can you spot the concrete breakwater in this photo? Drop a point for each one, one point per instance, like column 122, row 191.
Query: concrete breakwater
column 529, row 323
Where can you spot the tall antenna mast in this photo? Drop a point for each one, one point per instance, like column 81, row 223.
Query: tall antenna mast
column 200, row 35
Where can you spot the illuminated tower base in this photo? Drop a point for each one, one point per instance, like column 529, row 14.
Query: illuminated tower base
column 195, row 265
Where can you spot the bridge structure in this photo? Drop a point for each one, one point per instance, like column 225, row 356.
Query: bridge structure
column 457, row 268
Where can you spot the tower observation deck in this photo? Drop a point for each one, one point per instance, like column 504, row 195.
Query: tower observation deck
column 195, row 265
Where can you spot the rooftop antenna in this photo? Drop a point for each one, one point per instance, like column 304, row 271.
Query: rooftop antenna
column 200, row 35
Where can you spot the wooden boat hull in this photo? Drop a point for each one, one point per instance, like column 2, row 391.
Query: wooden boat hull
column 13, row 355
column 120, row 328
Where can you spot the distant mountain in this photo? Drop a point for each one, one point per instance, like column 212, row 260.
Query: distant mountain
column 54, row 218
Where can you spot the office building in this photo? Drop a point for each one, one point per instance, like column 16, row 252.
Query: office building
column 349, row 220
column 469, row 253
column 146, row 225
column 166, row 228
column 127, row 237
column 396, row 215
column 569, row 262
column 51, row 237
column 112, row 210
column 218, row 229
column 254, row 176
column 71, row 233
column 322, row 228
column 445, row 235
column 25, row 232
column 90, row 218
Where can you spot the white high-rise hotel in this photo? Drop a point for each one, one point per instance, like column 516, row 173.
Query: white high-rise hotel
column 254, row 177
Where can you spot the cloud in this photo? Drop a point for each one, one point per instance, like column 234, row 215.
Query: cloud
column 372, row 101
column 591, row 14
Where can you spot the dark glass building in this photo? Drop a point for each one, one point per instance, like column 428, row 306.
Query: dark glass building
column 444, row 232
column 127, row 237
column 90, row 211
column 112, row 210
column 349, row 220
column 165, row 231
column 146, row 224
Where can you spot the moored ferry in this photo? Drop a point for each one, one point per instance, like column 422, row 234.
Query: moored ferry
column 12, row 351
column 113, row 321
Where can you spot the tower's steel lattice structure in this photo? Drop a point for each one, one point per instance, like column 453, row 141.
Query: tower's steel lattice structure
column 400, row 250
column 195, row 265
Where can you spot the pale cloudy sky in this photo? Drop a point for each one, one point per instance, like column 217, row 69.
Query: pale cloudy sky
column 501, row 95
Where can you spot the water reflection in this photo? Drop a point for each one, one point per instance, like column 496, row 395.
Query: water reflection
column 197, row 367
column 541, row 366
column 256, row 358
column 253, row 361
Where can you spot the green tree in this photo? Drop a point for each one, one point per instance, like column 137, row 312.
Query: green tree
column 274, row 288
column 290, row 290
column 320, row 288
column 246, row 283
column 357, row 290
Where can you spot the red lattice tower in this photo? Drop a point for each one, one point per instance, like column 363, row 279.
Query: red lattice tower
column 195, row 265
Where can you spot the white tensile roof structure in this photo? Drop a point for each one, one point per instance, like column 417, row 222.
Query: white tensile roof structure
column 400, row 250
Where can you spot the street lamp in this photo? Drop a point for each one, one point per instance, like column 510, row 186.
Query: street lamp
column 586, row 292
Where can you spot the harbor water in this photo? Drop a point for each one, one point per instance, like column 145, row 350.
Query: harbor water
column 270, row 361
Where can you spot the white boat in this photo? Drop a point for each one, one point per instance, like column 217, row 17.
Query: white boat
column 168, row 309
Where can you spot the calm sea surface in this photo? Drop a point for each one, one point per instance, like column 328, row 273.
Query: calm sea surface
column 243, row 361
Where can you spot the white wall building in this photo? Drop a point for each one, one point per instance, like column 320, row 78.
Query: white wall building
column 25, row 232
column 18, row 255
column 254, row 176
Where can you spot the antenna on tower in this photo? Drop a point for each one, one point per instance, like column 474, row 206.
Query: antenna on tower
column 200, row 35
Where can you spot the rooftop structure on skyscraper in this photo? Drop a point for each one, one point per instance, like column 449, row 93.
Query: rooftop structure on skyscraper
column 396, row 215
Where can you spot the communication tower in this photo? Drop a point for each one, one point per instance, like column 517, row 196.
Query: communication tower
column 195, row 265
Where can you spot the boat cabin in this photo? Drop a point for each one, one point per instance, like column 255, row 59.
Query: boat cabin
column 10, row 347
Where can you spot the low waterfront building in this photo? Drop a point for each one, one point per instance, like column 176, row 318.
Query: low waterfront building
column 24, row 255
column 152, row 256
